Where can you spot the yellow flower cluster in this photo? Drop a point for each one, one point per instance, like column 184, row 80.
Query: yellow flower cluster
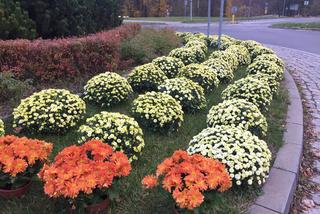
column 169, row 65
column 266, row 67
column 221, row 68
column 158, row 111
column 226, row 56
column 270, row 58
column 202, row 44
column 242, row 54
column 272, row 81
column 2, row 132
column 107, row 89
column 49, row 111
column 121, row 132
column 250, row 44
column 186, row 55
column 226, row 42
column 259, row 50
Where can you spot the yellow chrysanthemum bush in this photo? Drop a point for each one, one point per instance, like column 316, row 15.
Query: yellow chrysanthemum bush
column 242, row 54
column 184, row 36
column 253, row 90
column 107, row 89
column 266, row 67
column 158, row 111
column 246, row 157
column 227, row 56
column 121, row 132
column 272, row 81
column 190, row 94
column 221, row 68
column 196, row 42
column 238, row 113
column 201, row 74
column 2, row 132
column 198, row 53
column 186, row 55
column 250, row 44
column 169, row 65
column 259, row 50
column 146, row 77
column 272, row 58
column 49, row 111
column 225, row 42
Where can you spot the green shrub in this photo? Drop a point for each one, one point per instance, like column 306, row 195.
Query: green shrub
column 225, row 42
column 229, row 57
column 271, row 58
column 201, row 44
column 266, row 67
column 221, row 68
column 169, row 65
column 2, row 132
column 186, row 55
column 259, row 50
column 241, row 52
column 272, row 81
column 250, row 44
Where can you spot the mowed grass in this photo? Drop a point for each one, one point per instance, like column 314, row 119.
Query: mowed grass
column 130, row 197
column 293, row 25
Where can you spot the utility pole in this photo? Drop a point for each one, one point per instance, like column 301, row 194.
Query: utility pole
column 191, row 10
column 249, row 12
column 284, row 8
column 185, row 7
column 209, row 18
column 220, row 22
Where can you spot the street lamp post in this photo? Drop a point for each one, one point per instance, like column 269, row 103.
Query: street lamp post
column 220, row 22
column 284, row 6
column 191, row 10
column 209, row 17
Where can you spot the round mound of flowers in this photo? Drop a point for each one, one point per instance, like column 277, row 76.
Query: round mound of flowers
column 169, row 65
column 146, row 77
column 184, row 36
column 49, row 111
column 190, row 94
column 270, row 58
column 224, row 43
column 250, row 44
column 221, row 68
column 186, row 55
column 199, row 43
column 266, row 67
column 82, row 169
column 272, row 81
column 229, row 57
column 1, row 128
column 241, row 52
column 199, row 53
column 253, row 90
column 201, row 74
column 238, row 113
column 158, row 111
column 186, row 177
column 107, row 89
column 21, row 157
column 247, row 158
column 121, row 132
column 259, row 50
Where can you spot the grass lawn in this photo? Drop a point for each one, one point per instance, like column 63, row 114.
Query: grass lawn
column 132, row 198
column 292, row 25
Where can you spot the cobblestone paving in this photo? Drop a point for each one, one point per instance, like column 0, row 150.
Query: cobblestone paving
column 305, row 69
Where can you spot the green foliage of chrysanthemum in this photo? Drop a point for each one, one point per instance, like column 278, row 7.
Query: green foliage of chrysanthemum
column 227, row 56
column 250, row 44
column 146, row 78
column 198, row 53
column 186, row 55
column 266, row 67
column 169, row 65
column 242, row 54
column 121, row 132
column 49, row 111
column 107, row 89
column 201, row 74
column 2, row 132
column 238, row 113
column 225, row 42
column 246, row 157
column 259, row 50
column 184, row 36
column 190, row 95
column 253, row 90
column 196, row 42
column 272, row 81
column 158, row 111
column 271, row 58
column 221, row 68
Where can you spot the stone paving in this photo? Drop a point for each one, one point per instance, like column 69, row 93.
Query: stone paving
column 305, row 69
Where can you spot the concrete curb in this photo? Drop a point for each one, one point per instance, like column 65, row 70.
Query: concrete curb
column 278, row 191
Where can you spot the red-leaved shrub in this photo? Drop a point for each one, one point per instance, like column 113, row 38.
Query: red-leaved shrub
column 48, row 60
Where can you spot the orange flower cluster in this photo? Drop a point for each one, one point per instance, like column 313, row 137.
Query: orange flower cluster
column 187, row 176
column 83, row 168
column 17, row 154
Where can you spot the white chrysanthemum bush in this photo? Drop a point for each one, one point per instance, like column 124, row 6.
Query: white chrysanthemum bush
column 229, row 57
column 247, row 158
column 158, row 111
column 169, row 65
column 225, row 42
column 221, row 68
column 270, row 58
column 107, row 89
column 272, row 81
column 2, row 132
column 186, row 55
column 238, row 113
column 146, row 77
column 49, row 111
column 121, row 132
column 266, row 67
column 188, row 93
column 259, row 50
column 199, row 43
column 199, row 54
column 241, row 52
column 205, row 76
column 184, row 36
column 250, row 44
column 253, row 90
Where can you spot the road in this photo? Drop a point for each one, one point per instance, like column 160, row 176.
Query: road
column 258, row 30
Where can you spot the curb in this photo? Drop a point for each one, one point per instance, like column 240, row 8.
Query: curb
column 278, row 191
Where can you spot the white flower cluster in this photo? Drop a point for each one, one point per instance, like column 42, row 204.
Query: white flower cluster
column 185, row 36
column 271, row 58
column 250, row 44
column 247, row 158
column 238, row 113
column 199, row 53
column 227, row 56
column 190, row 95
column 201, row 74
column 169, row 65
column 107, row 89
column 226, row 41
column 253, row 90
column 196, row 42
column 272, row 81
column 157, row 111
column 186, row 55
column 146, row 77
column 242, row 54
column 221, row 68
column 2, row 132
column 121, row 132
column 266, row 67
column 49, row 111
column 259, row 50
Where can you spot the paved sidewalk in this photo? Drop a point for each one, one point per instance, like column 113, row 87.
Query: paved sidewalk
column 305, row 69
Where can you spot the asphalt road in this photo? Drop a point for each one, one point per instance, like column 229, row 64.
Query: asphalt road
column 259, row 30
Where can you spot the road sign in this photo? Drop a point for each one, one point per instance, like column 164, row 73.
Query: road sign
column 234, row 9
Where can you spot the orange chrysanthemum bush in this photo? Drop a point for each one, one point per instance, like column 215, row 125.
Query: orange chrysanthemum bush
column 21, row 159
column 188, row 176
column 84, row 173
